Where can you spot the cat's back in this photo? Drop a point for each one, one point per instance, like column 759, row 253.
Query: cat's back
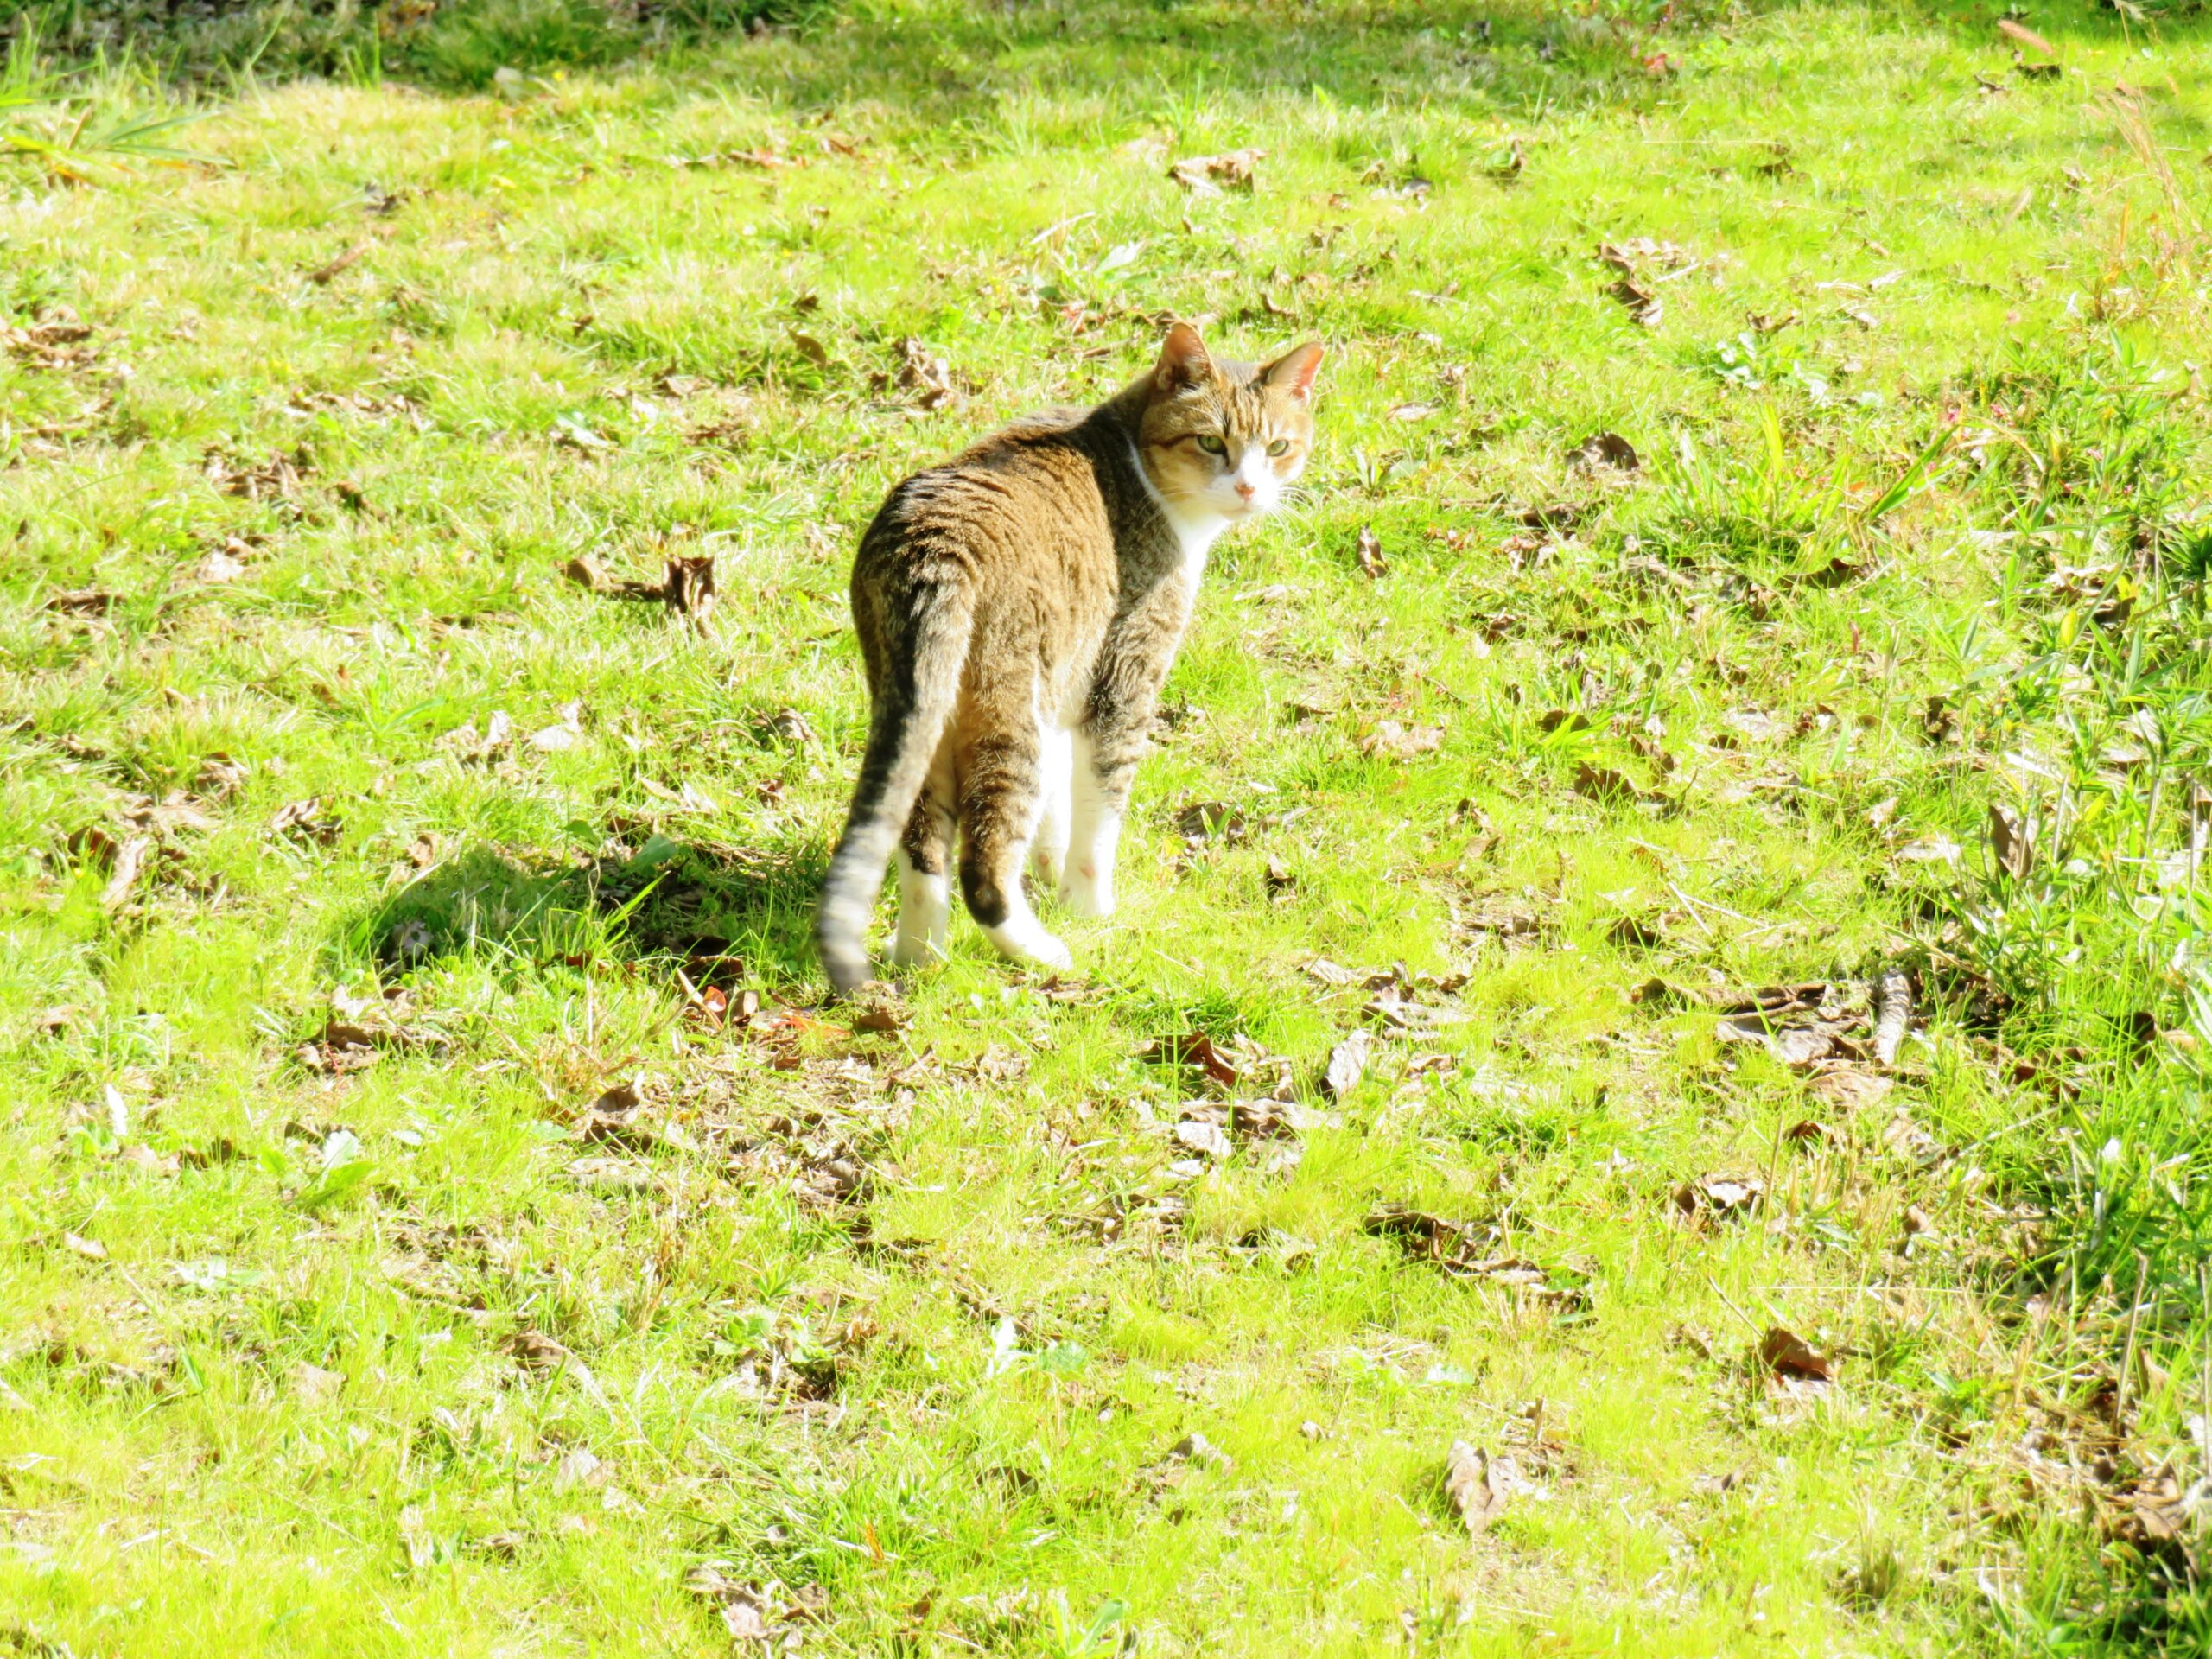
column 1050, row 476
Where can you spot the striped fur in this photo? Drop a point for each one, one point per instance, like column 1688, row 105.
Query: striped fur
column 1018, row 609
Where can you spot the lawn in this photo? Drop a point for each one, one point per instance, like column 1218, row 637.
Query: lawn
column 1644, row 1096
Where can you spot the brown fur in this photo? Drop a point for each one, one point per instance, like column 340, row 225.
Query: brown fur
column 1018, row 610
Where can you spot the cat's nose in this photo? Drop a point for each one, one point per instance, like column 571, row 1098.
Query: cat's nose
column 1248, row 491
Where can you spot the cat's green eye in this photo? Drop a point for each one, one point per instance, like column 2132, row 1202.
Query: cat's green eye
column 1280, row 447
column 1211, row 445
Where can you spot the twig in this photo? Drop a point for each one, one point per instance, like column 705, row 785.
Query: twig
column 322, row 274
column 2128, row 1358
column 1749, row 1322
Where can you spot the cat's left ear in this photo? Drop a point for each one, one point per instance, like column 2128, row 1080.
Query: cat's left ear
column 1292, row 372
column 1183, row 361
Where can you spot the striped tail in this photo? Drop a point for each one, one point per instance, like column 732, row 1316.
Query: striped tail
column 912, row 707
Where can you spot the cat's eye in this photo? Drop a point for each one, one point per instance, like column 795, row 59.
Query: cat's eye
column 1280, row 447
column 1212, row 444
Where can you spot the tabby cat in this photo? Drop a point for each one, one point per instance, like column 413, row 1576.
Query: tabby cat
column 1018, row 608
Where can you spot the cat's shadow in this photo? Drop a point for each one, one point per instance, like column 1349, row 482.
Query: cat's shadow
column 747, row 912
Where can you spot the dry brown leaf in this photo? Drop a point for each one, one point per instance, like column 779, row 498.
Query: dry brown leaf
column 1848, row 1088
column 1347, row 1063
column 1197, row 1050
column 81, row 602
column 1369, row 551
column 1603, row 785
column 309, row 819
column 1604, row 449
column 1720, row 1195
column 1208, row 175
column 1789, row 1357
column 1391, row 741
column 2012, row 840
column 1479, row 1486
column 130, row 859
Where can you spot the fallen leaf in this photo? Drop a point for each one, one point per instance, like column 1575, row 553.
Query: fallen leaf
column 579, row 1468
column 1412, row 411
column 1720, row 1195
column 1605, row 785
column 316, row 1388
column 1209, row 1139
column 613, row 1119
column 1194, row 1448
column 1347, row 1063
column 811, row 349
column 1479, row 1486
column 690, row 589
column 91, row 1248
column 309, row 819
column 1369, row 551
column 1788, row 1357
column 218, row 565
column 881, row 1014
column 1331, row 973
column 81, row 602
column 1643, row 303
column 130, row 859
column 788, row 726
column 1635, row 933
column 1197, row 1050
column 536, row 1353
column 1207, row 175
column 1392, row 742
column 1849, row 1089
column 1930, row 849
column 1658, row 993
column 1210, row 821
column 2012, row 840
column 1604, row 449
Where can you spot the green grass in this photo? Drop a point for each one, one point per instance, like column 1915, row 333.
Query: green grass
column 903, row 1329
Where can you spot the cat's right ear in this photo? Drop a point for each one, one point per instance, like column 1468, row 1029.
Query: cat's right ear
column 1292, row 372
column 1183, row 361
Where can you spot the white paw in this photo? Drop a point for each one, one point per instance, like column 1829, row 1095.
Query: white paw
column 1087, row 895
column 911, row 951
column 1028, row 942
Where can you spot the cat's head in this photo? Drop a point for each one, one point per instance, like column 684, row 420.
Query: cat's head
column 1226, row 438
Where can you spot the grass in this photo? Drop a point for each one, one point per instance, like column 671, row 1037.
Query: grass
column 350, row 851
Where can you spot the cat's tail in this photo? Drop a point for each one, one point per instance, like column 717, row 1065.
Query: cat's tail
column 913, row 704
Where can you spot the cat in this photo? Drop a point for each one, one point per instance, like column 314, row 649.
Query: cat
column 1018, row 609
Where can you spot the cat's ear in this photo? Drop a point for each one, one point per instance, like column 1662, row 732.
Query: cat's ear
column 1183, row 361
column 1292, row 372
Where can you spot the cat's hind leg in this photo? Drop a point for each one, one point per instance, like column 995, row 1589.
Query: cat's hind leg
column 1048, row 851
column 925, row 871
column 1001, row 799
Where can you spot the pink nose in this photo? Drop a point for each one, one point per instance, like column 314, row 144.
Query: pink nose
column 1248, row 491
